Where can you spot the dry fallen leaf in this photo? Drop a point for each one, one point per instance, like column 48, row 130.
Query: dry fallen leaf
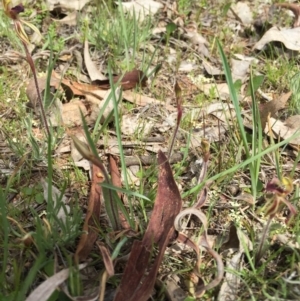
column 143, row 100
column 92, row 69
column 136, row 125
column 70, row 19
column 66, row 4
column 290, row 37
column 285, row 131
column 141, row 8
column 198, row 41
column 128, row 81
column 44, row 291
column 204, row 242
column 215, row 90
column 242, row 11
column 272, row 107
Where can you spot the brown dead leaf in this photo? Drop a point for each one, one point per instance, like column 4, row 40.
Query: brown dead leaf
column 139, row 277
column 272, row 107
column 197, row 40
column 293, row 122
column 78, row 89
column 284, row 131
column 115, row 173
column 91, row 223
column 71, row 115
column 130, row 80
column 31, row 92
column 143, row 100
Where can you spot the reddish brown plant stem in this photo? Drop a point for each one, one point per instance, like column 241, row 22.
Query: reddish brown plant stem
column 33, row 70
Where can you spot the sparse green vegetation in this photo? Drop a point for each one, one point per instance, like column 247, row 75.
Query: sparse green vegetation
column 61, row 202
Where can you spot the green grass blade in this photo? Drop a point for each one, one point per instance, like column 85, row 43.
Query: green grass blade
column 243, row 164
column 234, row 98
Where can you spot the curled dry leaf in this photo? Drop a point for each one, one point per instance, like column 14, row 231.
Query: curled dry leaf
column 96, row 104
column 235, row 244
column 204, row 243
column 75, row 154
column 107, row 260
column 136, row 125
column 139, row 277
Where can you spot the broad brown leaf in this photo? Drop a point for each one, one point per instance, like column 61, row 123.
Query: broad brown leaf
column 139, row 277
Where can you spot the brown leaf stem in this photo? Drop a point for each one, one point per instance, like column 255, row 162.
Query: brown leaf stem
column 33, row 70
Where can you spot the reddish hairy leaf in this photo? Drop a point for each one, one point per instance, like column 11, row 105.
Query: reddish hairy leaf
column 91, row 222
column 139, row 276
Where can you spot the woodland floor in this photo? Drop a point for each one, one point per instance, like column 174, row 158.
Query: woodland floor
column 234, row 159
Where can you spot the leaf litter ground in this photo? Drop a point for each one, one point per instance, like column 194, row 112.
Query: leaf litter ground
column 180, row 48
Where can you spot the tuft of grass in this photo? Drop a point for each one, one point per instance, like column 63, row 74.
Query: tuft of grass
column 118, row 36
